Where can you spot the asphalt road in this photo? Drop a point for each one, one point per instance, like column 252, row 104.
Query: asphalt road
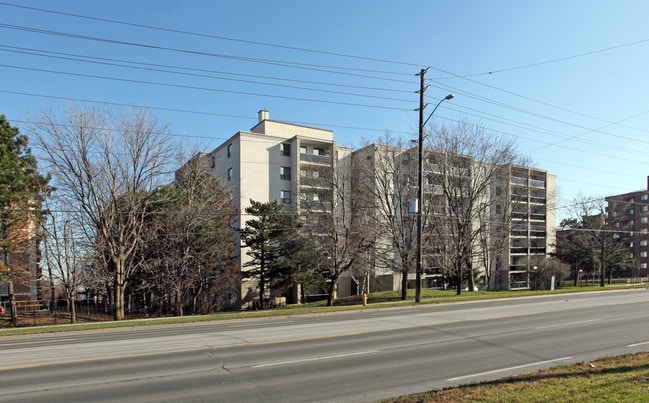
column 356, row 356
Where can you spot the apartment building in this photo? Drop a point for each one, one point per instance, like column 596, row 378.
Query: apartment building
column 528, row 197
column 629, row 213
column 513, row 214
column 26, row 271
column 299, row 166
column 277, row 161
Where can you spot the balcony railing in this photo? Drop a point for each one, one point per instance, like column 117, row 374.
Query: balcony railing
column 316, row 159
column 315, row 183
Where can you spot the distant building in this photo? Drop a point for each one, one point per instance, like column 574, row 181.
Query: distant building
column 24, row 264
column 629, row 212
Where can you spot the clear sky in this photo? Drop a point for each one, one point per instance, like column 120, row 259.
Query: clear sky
column 566, row 79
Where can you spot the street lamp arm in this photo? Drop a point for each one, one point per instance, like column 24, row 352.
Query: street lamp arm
column 420, row 185
column 446, row 98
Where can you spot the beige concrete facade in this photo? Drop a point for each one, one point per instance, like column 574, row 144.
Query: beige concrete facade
column 275, row 161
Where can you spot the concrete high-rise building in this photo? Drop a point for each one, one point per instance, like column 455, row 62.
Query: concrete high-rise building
column 300, row 167
column 276, row 161
column 513, row 218
column 629, row 213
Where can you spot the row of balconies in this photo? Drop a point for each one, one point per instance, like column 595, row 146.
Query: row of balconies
column 534, row 250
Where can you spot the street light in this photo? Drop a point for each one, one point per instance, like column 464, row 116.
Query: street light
column 420, row 176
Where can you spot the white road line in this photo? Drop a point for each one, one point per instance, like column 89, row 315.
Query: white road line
column 567, row 324
column 325, row 357
column 20, row 343
column 495, row 371
column 638, row 344
column 259, row 325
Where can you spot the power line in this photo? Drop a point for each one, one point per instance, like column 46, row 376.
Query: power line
column 308, row 66
column 193, row 87
column 98, row 60
column 217, row 37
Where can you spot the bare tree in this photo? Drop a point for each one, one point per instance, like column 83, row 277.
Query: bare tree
column 108, row 164
column 384, row 187
column 594, row 237
column 342, row 234
column 66, row 252
column 462, row 162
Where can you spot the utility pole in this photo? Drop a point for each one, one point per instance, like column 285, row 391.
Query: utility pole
column 420, row 177
column 420, row 188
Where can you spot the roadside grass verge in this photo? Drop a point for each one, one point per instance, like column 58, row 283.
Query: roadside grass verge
column 614, row 379
column 384, row 299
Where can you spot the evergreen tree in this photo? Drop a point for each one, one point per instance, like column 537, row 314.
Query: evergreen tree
column 20, row 190
column 262, row 236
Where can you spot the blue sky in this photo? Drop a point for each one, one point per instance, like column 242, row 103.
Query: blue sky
column 566, row 79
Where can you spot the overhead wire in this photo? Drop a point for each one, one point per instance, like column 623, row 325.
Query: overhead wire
column 256, row 43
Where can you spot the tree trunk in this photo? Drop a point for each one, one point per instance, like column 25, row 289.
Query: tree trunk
column 12, row 300
column 602, row 272
column 332, row 290
column 404, row 285
column 73, row 309
column 179, row 303
column 118, row 299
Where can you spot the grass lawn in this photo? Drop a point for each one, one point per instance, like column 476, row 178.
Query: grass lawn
column 383, row 299
column 617, row 379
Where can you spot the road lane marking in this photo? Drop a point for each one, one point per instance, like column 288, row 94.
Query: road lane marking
column 324, row 357
column 638, row 344
column 495, row 371
column 259, row 324
column 42, row 341
column 567, row 324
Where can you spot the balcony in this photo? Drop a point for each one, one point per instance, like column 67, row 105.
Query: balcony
column 316, row 206
column 537, row 183
column 321, row 183
column 316, row 159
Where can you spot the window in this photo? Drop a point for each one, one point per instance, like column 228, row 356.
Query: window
column 285, row 195
column 303, row 150
column 285, row 149
column 645, row 208
column 630, row 223
column 302, row 173
column 643, row 265
column 616, row 225
column 229, row 150
column 616, row 236
column 644, row 197
column 631, row 200
column 643, row 243
column 499, row 190
column 303, row 196
column 316, row 197
column 643, row 254
column 315, row 174
column 644, row 220
column 643, row 231
column 631, row 211
column 318, row 151
column 213, row 161
column 499, row 209
column 230, row 174
column 285, row 173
